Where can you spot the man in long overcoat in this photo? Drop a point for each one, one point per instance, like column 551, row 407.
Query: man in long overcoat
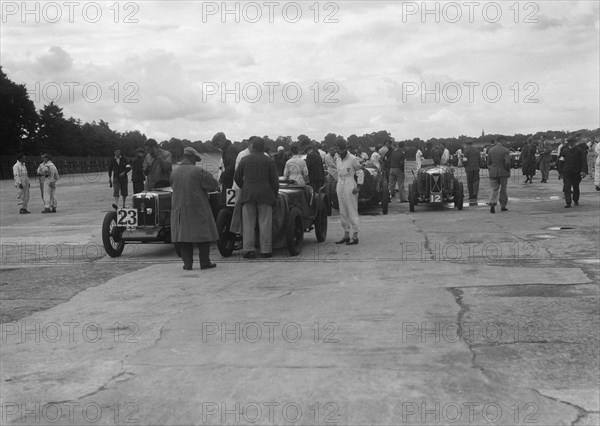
column 192, row 220
column 499, row 172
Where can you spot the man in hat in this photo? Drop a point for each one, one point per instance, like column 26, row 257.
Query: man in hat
column 50, row 178
column 229, row 154
column 22, row 183
column 574, row 169
column 545, row 151
column 499, row 172
column 314, row 164
column 280, row 159
column 137, row 171
column 347, row 190
column 257, row 176
column 192, row 221
column 117, row 177
column 471, row 159
column 157, row 165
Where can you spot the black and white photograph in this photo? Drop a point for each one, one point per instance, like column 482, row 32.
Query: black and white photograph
column 300, row 212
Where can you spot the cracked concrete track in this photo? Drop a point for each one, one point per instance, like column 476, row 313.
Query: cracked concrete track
column 401, row 329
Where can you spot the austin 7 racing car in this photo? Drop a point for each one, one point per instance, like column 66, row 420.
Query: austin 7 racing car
column 299, row 209
column 148, row 221
column 433, row 185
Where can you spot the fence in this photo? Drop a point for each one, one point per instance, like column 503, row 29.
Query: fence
column 65, row 165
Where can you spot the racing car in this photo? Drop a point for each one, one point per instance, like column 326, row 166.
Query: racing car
column 299, row 209
column 435, row 185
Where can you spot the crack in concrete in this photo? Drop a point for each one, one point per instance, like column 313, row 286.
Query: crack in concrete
column 581, row 412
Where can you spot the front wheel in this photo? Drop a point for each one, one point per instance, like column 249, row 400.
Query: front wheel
column 385, row 198
column 226, row 239
column 321, row 224
column 111, row 235
column 295, row 232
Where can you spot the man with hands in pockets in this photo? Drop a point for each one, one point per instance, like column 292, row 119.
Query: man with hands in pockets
column 347, row 190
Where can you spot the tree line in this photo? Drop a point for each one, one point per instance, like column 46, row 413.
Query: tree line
column 24, row 129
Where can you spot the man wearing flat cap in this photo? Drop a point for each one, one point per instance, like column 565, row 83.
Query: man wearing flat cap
column 192, row 221
column 137, row 171
column 574, row 169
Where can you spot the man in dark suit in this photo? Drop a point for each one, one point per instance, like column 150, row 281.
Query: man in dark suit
column 257, row 176
column 499, row 172
column 137, row 171
column 117, row 176
column 574, row 169
column 314, row 164
column 471, row 159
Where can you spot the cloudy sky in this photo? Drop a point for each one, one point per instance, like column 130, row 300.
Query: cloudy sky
column 189, row 69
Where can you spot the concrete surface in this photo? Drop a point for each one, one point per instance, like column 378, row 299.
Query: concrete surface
column 436, row 317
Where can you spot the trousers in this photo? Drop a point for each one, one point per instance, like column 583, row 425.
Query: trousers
column 251, row 212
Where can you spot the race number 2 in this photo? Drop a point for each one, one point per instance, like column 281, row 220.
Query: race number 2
column 230, row 197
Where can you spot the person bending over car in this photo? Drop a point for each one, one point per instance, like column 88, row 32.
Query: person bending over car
column 192, row 221
column 157, row 165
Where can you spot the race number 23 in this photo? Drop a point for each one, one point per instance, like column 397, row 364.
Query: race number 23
column 127, row 217
column 230, row 197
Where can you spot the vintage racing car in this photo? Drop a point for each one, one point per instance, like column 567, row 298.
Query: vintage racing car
column 148, row 221
column 299, row 209
column 435, row 184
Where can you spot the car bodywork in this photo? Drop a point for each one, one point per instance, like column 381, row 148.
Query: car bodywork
column 435, row 185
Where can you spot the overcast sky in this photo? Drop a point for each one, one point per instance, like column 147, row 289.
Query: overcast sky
column 363, row 66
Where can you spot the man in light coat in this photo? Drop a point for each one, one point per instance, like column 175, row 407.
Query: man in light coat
column 50, row 178
column 499, row 172
column 347, row 191
column 192, row 221
column 21, row 183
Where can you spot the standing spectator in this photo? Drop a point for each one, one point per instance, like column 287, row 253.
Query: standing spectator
column 257, row 176
column 314, row 165
column 348, row 189
column 375, row 157
column 50, row 178
column 157, row 166
column 41, row 172
column 280, row 160
column 229, row 154
column 560, row 159
column 545, row 151
column 117, row 177
column 445, row 159
column 597, row 167
column 471, row 160
column 410, row 161
column 574, row 169
column 192, row 221
column 22, row 183
column 385, row 154
column 397, row 172
column 332, row 176
column 499, row 172
column 459, row 157
column 528, row 161
column 295, row 168
column 419, row 158
column 321, row 149
column 591, row 158
column 137, row 171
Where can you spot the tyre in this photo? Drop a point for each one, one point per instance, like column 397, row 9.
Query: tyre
column 321, row 223
column 295, row 232
column 226, row 240
column 111, row 236
column 411, row 197
column 459, row 197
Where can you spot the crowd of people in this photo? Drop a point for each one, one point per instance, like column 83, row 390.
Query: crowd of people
column 255, row 175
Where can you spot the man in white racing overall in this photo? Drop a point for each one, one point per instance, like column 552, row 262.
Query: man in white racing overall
column 347, row 191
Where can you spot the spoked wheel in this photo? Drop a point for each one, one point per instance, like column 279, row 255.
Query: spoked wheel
column 111, row 235
column 321, row 224
column 226, row 241
column 459, row 196
column 411, row 197
column 295, row 232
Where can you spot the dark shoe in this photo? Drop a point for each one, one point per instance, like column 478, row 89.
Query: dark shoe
column 187, row 268
column 352, row 242
column 598, row 188
column 25, row 211
column 343, row 240
column 53, row 210
column 567, row 206
column 576, row 203
column 22, row 211
column 266, row 255
column 503, row 209
column 492, row 208
column 46, row 211
column 208, row 266
column 250, row 255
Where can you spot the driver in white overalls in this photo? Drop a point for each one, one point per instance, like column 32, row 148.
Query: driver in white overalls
column 347, row 191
